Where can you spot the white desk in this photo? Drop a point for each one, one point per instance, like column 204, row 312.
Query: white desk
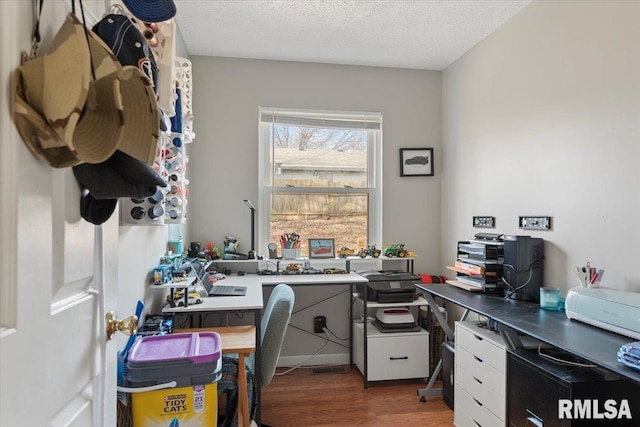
column 253, row 302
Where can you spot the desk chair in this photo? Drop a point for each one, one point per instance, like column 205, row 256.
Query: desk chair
column 273, row 327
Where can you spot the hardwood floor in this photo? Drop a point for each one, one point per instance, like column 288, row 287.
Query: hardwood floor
column 302, row 398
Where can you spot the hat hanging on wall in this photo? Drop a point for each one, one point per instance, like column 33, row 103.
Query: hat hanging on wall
column 120, row 176
column 140, row 106
column 127, row 43
column 94, row 210
column 66, row 113
column 49, row 93
column 130, row 47
column 151, row 10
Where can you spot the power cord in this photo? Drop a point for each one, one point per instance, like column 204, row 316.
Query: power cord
column 562, row 361
column 529, row 269
column 325, row 345
column 326, row 329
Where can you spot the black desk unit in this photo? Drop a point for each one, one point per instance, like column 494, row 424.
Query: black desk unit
column 595, row 345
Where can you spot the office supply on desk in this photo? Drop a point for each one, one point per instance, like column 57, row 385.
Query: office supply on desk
column 227, row 291
column 611, row 309
column 596, row 345
column 252, row 252
column 465, row 286
column 215, row 290
column 388, row 286
column 629, row 355
column 523, row 267
column 550, row 299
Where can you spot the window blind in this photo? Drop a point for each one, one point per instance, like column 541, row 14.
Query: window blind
column 358, row 121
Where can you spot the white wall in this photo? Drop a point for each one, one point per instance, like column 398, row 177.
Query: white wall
column 543, row 118
column 224, row 159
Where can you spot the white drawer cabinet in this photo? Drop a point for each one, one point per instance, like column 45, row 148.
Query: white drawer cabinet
column 480, row 377
column 391, row 356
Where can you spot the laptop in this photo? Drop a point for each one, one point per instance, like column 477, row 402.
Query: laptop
column 215, row 290
column 212, row 289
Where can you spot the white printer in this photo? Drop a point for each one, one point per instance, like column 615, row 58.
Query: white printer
column 611, row 309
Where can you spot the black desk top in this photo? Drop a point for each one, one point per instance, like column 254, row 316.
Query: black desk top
column 596, row 345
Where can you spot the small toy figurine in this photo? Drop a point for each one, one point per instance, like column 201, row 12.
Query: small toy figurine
column 396, row 250
column 345, row 252
column 371, row 251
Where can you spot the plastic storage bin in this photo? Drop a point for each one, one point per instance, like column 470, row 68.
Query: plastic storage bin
column 193, row 361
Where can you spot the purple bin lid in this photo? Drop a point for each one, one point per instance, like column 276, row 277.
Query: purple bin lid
column 198, row 347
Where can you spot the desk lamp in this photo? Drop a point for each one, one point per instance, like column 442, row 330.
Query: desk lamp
column 252, row 252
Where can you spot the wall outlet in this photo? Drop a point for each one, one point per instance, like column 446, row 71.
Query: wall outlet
column 535, row 222
column 319, row 323
column 484, row 221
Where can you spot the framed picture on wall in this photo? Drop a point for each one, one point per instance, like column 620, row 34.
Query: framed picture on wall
column 322, row 248
column 416, row 162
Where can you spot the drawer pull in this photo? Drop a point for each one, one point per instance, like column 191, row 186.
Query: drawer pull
column 399, row 358
column 477, row 423
column 478, row 338
column 478, row 359
column 477, row 380
column 476, row 400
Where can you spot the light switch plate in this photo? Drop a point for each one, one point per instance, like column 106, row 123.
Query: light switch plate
column 484, row 221
column 535, row 222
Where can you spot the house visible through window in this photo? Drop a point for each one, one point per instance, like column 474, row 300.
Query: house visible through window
column 320, row 177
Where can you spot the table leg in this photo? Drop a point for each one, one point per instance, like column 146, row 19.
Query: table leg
column 243, row 403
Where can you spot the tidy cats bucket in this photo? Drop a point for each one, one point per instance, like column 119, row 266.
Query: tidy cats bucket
column 193, row 361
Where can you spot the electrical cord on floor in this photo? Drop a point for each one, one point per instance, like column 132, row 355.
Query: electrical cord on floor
column 325, row 345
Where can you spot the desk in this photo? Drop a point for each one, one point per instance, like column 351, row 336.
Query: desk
column 595, row 345
column 240, row 340
column 253, row 302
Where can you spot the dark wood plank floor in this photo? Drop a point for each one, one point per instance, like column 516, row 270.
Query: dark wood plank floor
column 304, row 399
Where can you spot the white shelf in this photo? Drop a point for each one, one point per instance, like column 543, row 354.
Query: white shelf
column 175, row 285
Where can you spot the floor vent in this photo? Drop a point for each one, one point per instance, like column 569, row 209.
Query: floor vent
column 332, row 370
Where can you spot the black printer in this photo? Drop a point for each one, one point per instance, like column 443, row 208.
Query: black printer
column 387, row 286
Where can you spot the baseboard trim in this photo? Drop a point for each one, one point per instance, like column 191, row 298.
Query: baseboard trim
column 320, row 359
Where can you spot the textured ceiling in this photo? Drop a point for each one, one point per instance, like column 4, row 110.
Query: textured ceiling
column 420, row 34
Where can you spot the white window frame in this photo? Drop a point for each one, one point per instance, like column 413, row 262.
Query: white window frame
column 374, row 176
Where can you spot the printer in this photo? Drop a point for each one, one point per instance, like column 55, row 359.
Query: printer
column 388, row 286
column 611, row 309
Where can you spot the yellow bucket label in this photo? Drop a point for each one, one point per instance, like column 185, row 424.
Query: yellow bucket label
column 194, row 406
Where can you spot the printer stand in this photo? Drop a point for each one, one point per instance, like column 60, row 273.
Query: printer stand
column 386, row 356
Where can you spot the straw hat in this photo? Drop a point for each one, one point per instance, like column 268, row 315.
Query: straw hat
column 49, row 93
column 67, row 117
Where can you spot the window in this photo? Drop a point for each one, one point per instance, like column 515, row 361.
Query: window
column 320, row 177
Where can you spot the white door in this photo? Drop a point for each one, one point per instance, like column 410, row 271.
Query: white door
column 53, row 267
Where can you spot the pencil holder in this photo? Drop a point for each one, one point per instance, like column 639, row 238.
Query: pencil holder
column 290, row 253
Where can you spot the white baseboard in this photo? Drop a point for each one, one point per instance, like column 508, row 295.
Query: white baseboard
column 319, row 359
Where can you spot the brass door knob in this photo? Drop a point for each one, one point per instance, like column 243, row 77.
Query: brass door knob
column 128, row 325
